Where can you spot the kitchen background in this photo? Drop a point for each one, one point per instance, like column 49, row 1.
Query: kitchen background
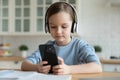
column 99, row 24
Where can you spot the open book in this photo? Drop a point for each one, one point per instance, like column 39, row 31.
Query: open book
column 28, row 75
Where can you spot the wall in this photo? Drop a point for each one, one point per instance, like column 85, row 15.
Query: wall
column 31, row 41
column 100, row 24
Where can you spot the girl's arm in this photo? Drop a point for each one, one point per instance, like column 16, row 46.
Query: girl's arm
column 28, row 66
column 62, row 68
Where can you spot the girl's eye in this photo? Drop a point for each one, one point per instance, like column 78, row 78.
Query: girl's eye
column 64, row 26
column 53, row 27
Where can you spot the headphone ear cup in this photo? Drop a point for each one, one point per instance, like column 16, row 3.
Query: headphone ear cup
column 74, row 26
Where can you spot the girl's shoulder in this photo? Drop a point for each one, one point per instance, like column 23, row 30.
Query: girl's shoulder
column 79, row 41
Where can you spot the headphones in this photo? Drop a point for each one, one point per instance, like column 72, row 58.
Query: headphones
column 74, row 24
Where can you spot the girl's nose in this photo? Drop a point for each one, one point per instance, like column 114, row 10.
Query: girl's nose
column 59, row 30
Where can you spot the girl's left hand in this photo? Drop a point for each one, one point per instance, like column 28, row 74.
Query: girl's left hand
column 62, row 68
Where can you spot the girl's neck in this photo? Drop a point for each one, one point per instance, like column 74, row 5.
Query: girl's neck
column 64, row 43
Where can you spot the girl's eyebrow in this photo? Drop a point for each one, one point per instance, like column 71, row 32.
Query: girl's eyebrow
column 65, row 23
column 51, row 24
column 62, row 24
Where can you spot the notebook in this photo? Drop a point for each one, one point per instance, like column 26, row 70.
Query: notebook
column 101, row 78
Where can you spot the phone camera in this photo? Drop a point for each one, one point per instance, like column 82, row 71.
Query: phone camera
column 49, row 48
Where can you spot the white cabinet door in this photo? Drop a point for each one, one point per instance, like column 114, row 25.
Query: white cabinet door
column 111, row 67
column 10, row 65
column 21, row 17
column 4, row 16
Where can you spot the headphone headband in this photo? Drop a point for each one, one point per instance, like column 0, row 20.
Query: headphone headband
column 74, row 25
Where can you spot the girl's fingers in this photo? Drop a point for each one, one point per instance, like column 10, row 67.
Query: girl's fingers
column 43, row 62
column 61, row 61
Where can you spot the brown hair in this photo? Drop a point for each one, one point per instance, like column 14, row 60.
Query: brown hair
column 59, row 7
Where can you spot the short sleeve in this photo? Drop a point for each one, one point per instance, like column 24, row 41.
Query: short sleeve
column 87, row 54
column 35, row 58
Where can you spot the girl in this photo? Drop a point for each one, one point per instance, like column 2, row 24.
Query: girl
column 74, row 55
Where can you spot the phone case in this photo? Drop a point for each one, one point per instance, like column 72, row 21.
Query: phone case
column 48, row 53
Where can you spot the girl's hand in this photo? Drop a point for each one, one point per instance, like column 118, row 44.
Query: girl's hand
column 42, row 68
column 62, row 68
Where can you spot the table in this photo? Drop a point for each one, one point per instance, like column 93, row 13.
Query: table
column 91, row 75
column 75, row 76
column 87, row 75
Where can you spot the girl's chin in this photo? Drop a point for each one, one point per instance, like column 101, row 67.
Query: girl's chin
column 59, row 40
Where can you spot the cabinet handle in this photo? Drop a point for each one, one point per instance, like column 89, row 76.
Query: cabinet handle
column 16, row 62
column 115, row 69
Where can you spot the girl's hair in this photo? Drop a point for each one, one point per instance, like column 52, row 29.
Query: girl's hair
column 59, row 7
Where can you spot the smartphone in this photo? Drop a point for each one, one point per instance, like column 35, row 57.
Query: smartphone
column 48, row 53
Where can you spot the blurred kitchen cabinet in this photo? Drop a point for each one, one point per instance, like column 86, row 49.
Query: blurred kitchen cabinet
column 4, row 15
column 10, row 64
column 111, row 67
column 21, row 17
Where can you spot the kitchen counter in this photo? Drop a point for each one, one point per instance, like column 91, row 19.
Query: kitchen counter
column 12, row 58
column 18, row 58
column 110, row 61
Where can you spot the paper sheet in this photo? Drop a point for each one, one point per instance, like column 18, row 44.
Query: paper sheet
column 21, row 75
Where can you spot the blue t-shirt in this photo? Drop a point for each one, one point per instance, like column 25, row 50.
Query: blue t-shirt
column 77, row 51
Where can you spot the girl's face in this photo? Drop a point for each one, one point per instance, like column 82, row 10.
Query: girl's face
column 60, row 27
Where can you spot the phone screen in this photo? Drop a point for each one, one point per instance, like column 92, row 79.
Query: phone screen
column 48, row 53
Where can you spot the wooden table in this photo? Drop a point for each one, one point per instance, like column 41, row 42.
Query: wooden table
column 76, row 76
column 103, row 74
column 94, row 75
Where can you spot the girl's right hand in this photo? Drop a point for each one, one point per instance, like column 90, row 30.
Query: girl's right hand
column 43, row 68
